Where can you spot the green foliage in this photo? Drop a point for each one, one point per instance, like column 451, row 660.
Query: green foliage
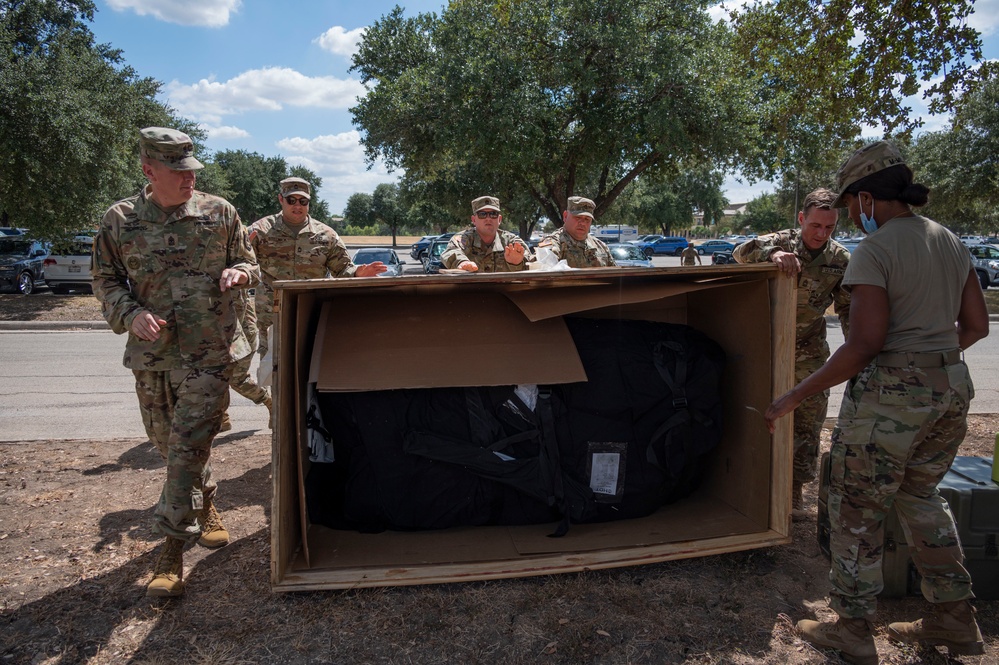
column 762, row 216
column 824, row 68
column 251, row 180
column 667, row 205
column 71, row 111
column 959, row 164
column 354, row 230
column 556, row 98
column 359, row 210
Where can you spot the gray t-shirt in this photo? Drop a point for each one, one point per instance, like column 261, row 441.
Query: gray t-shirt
column 923, row 267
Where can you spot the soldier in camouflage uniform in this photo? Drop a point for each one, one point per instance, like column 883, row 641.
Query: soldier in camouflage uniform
column 164, row 266
column 293, row 245
column 573, row 242
column 916, row 303
column 689, row 255
column 485, row 247
column 241, row 380
column 819, row 262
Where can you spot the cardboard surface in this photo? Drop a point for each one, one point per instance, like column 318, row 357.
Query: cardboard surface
column 465, row 339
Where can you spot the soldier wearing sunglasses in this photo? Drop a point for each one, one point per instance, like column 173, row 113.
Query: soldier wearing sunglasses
column 485, row 247
column 293, row 245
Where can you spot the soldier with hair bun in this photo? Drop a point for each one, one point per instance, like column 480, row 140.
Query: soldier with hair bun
column 916, row 304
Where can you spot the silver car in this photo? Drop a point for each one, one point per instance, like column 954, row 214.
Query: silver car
column 67, row 268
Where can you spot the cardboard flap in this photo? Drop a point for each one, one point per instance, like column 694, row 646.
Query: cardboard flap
column 541, row 304
column 451, row 339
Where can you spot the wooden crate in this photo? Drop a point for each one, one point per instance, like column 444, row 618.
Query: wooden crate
column 391, row 327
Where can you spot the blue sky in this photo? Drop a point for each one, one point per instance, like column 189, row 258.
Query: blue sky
column 272, row 77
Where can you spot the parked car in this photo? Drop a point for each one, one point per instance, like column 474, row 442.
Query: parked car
column 419, row 248
column 850, row 243
column 673, row 245
column 629, row 256
column 10, row 231
column 386, row 256
column 652, row 237
column 712, row 246
column 432, row 262
column 986, row 260
column 21, row 263
column 67, row 267
column 721, row 258
column 972, row 240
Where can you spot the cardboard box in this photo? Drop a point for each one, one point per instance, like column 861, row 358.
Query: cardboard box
column 381, row 333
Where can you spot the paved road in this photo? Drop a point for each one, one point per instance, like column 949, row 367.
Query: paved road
column 72, row 385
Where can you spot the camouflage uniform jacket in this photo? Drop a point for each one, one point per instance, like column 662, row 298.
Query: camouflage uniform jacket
column 170, row 265
column 468, row 246
column 313, row 251
column 820, row 284
column 588, row 253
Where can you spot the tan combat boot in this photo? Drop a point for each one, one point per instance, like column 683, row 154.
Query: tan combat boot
column 951, row 625
column 213, row 532
column 226, row 423
column 851, row 637
column 270, row 410
column 798, row 513
column 168, row 575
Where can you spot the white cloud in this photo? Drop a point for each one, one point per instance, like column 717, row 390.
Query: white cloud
column 203, row 13
column 225, row 132
column 985, row 18
column 738, row 190
column 338, row 41
column 339, row 160
column 269, row 89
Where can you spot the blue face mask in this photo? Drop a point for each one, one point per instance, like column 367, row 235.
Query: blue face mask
column 868, row 223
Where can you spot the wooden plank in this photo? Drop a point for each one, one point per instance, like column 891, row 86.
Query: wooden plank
column 401, row 575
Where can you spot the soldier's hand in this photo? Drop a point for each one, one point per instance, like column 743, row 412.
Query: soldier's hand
column 469, row 266
column 787, row 262
column 146, row 326
column 232, row 277
column 370, row 269
column 781, row 406
column 514, row 253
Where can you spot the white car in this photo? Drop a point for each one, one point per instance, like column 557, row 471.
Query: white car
column 386, row 256
column 67, row 268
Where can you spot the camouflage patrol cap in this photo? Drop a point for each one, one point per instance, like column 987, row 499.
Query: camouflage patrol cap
column 581, row 207
column 864, row 162
column 485, row 203
column 173, row 149
column 296, row 186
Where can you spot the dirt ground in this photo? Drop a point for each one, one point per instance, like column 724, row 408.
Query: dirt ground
column 76, row 550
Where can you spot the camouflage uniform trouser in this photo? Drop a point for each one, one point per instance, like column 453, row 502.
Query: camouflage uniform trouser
column 264, row 303
column 182, row 412
column 808, row 419
column 241, row 380
column 897, row 435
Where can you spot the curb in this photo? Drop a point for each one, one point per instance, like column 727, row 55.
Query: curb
column 53, row 325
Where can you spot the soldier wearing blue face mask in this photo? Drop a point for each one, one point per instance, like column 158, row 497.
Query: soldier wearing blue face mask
column 915, row 305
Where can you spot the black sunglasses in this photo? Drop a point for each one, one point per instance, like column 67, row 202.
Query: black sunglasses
column 482, row 214
column 296, row 200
